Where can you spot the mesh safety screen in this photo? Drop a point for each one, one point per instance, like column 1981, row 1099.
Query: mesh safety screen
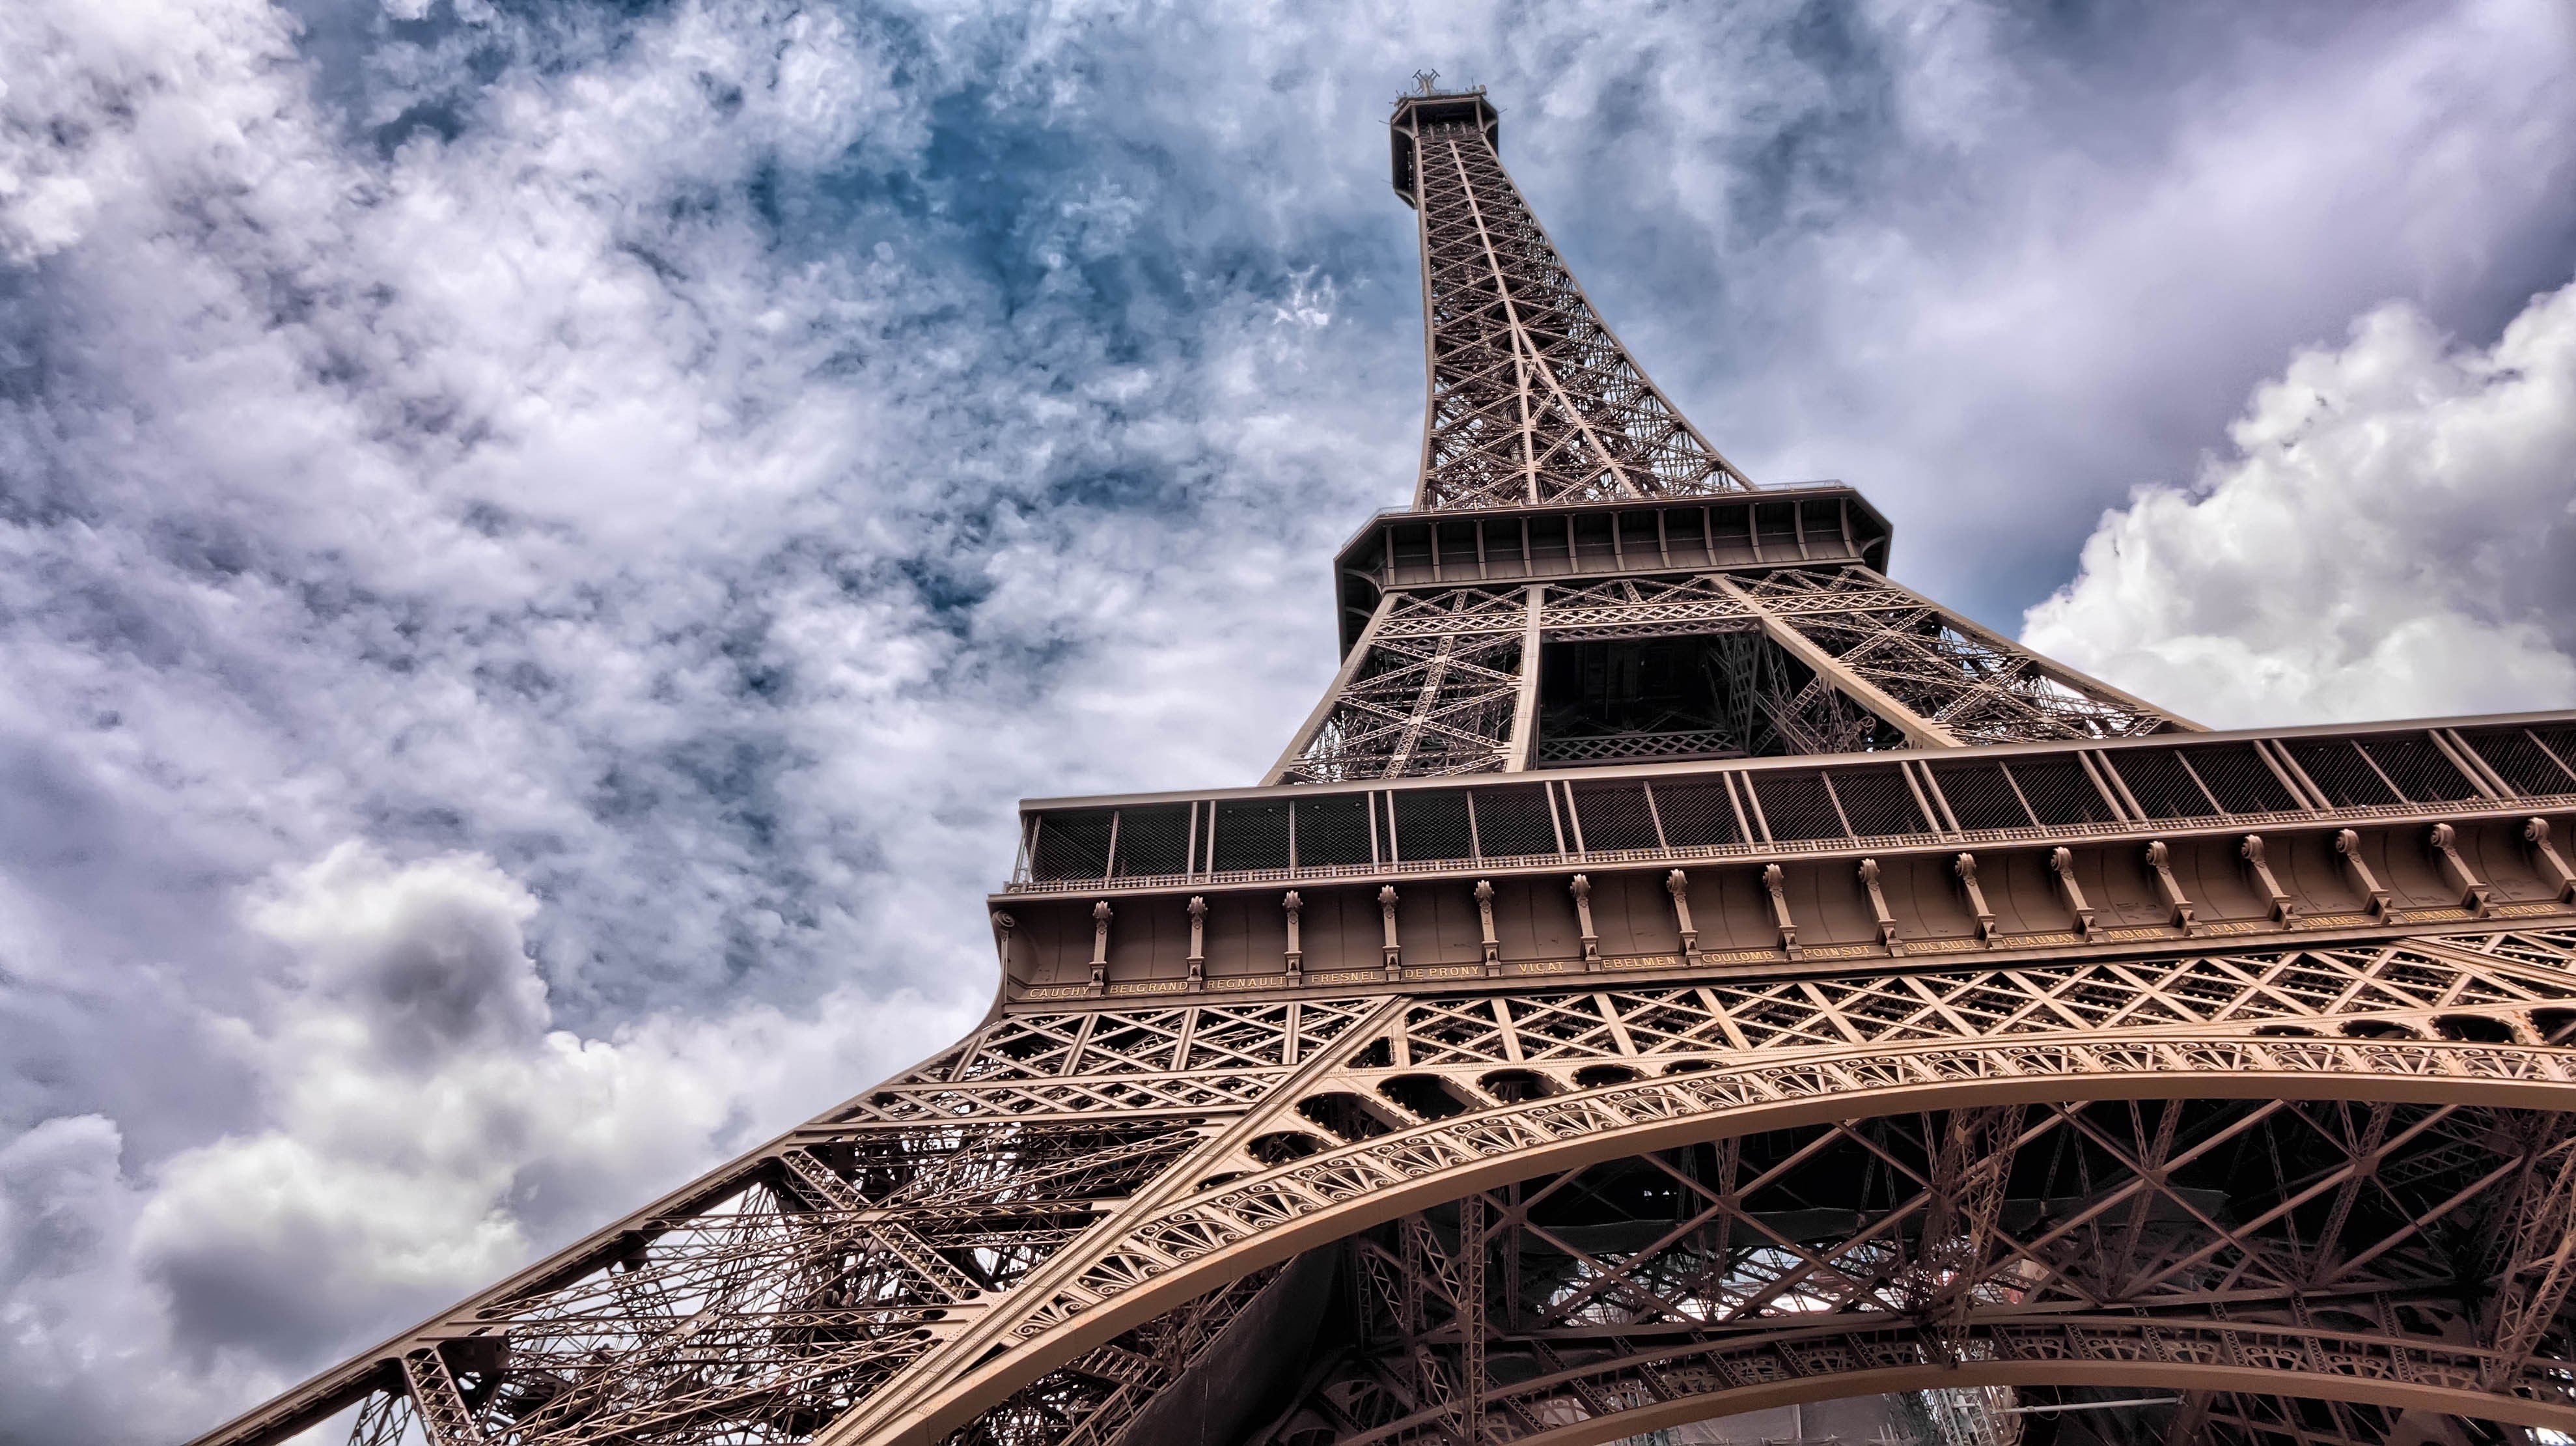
column 1432, row 825
column 2161, row 785
column 1877, row 802
column 2419, row 768
column 1980, row 795
column 1696, row 814
column 1513, row 821
column 2240, row 779
column 1333, row 829
column 2519, row 759
column 1154, row 839
column 1796, row 805
column 1614, row 816
column 2059, row 791
column 1073, row 844
column 2560, row 740
column 1252, row 835
column 2340, row 772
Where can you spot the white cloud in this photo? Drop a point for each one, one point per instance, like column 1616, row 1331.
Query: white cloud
column 425, row 1130
column 2392, row 537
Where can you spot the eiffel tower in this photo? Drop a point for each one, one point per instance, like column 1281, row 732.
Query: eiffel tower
column 1677, row 972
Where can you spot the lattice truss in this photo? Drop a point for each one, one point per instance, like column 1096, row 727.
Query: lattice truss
column 1062, row 1161
column 1056, row 1163
column 1435, row 691
column 2298, row 1237
column 2077, row 1232
column 1434, row 695
column 1980, row 688
column 1533, row 399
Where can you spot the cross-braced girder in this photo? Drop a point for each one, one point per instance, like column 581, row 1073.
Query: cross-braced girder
column 1978, row 687
column 2055, row 1173
column 1533, row 399
column 1796, row 660
column 2299, row 1237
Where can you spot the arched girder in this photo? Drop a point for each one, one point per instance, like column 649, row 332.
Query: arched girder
column 2424, row 1378
column 1170, row 1255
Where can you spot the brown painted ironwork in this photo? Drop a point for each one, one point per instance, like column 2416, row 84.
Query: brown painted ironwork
column 1878, row 1010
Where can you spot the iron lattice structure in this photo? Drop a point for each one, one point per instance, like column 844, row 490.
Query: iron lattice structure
column 1676, row 972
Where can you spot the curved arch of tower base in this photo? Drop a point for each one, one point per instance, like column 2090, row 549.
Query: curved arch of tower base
column 2337, row 1176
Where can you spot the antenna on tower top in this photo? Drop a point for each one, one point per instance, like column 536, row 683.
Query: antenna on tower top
column 1424, row 80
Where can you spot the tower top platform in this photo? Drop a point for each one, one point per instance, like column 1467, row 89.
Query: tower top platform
column 1429, row 106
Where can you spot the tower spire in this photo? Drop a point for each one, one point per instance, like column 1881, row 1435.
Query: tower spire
column 1533, row 399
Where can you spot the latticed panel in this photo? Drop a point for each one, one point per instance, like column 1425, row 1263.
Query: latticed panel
column 1455, row 610
column 1614, row 816
column 1432, row 826
column 2534, row 760
column 1252, row 835
column 1636, row 747
column 1419, row 707
column 1515, row 821
column 1533, row 400
column 1332, row 829
column 1093, row 1399
column 2028, row 999
column 1905, row 645
column 1697, row 813
column 2238, row 779
column 2315, row 1242
column 2394, row 768
column 1154, row 839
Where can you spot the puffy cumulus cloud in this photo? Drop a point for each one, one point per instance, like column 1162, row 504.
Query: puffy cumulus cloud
column 82, row 1340
column 424, row 1127
column 2394, row 536
column 1997, row 264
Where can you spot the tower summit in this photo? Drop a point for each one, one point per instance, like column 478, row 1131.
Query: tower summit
column 1675, row 972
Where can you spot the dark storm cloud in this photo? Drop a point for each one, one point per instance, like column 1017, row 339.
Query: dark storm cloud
column 538, row 543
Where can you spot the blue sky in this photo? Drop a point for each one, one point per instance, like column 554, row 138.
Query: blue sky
column 539, row 543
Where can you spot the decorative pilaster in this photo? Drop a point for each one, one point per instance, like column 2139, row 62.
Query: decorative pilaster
column 2535, row 834
column 2444, row 841
column 1582, row 889
column 1485, row 920
column 1101, row 914
column 1776, row 884
column 1198, row 943
column 1965, row 866
column 1386, row 915
column 1677, row 884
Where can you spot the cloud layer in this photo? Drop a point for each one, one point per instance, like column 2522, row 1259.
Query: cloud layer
column 538, row 544
column 2394, row 536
